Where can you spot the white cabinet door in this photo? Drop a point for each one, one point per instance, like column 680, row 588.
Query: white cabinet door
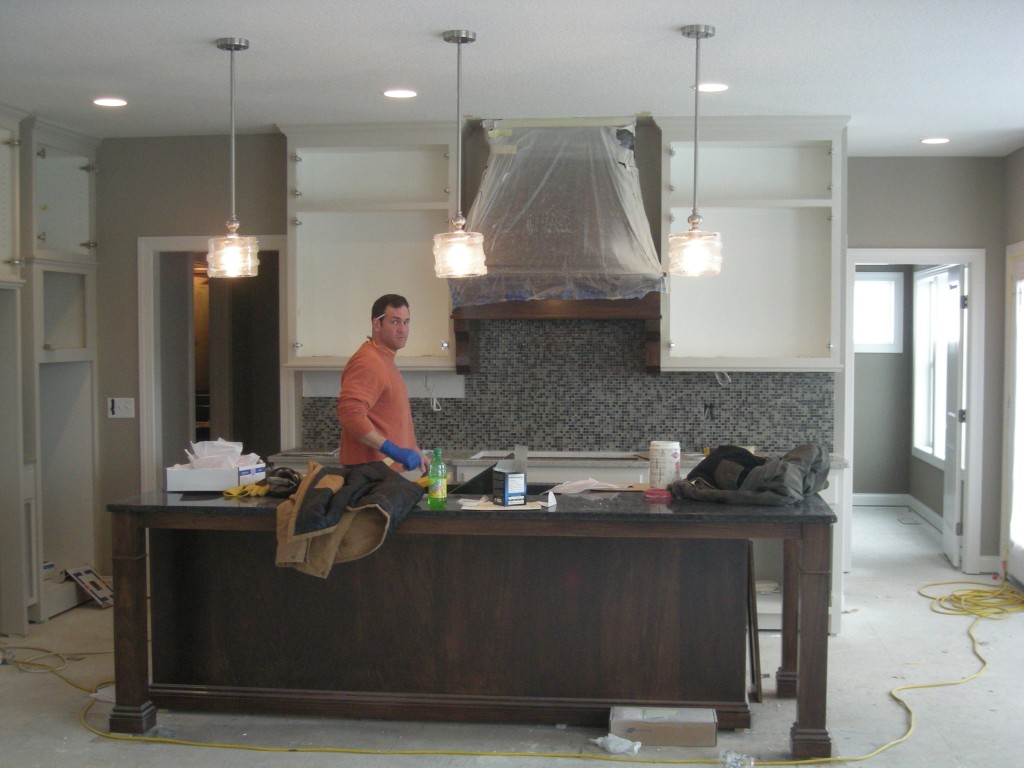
column 364, row 206
column 57, row 193
column 9, row 264
column 773, row 189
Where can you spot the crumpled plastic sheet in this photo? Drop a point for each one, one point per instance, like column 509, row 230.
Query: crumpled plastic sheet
column 562, row 218
column 617, row 745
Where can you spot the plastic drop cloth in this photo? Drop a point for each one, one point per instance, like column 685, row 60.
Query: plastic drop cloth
column 562, row 218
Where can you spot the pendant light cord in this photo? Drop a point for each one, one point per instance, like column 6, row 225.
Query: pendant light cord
column 234, row 218
column 696, row 133
column 458, row 130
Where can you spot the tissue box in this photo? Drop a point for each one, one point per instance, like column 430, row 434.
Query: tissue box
column 509, row 486
column 187, row 479
column 665, row 726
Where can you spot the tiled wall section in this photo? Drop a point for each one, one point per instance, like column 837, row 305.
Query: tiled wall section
column 581, row 385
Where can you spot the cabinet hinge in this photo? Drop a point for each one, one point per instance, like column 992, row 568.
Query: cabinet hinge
column 13, row 142
column 963, row 301
column 90, row 244
column 41, row 152
column 90, row 168
column 295, row 157
column 961, row 416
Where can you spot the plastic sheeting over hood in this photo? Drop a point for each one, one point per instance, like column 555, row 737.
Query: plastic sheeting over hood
column 562, row 218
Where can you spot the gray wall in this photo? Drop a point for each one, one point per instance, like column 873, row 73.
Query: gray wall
column 162, row 187
column 1014, row 206
column 945, row 203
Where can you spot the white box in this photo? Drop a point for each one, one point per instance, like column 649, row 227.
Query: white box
column 188, row 479
column 665, row 726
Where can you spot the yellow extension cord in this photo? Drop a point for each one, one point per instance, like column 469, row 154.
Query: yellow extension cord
column 985, row 603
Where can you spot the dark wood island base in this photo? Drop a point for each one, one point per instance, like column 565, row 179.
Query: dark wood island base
column 542, row 616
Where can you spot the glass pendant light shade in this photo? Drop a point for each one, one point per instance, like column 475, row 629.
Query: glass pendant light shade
column 232, row 255
column 459, row 253
column 695, row 253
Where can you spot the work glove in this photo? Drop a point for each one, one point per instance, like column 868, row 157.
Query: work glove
column 409, row 458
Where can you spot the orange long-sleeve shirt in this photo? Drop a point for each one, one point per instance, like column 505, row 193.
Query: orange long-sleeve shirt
column 373, row 396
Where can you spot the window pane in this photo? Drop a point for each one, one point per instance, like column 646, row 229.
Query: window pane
column 878, row 312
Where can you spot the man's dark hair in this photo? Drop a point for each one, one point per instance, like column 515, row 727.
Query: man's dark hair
column 392, row 300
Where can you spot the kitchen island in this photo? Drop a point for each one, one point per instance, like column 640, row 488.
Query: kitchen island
column 546, row 616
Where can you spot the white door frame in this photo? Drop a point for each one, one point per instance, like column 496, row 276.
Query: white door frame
column 1009, row 553
column 149, row 250
column 972, row 562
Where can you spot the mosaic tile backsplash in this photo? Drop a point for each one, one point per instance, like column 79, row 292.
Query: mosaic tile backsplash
column 580, row 385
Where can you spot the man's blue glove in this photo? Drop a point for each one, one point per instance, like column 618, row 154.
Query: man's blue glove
column 407, row 457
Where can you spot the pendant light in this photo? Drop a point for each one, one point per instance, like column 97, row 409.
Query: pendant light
column 695, row 253
column 458, row 253
column 232, row 255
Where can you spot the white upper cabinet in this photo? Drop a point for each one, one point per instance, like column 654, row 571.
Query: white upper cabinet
column 58, row 192
column 774, row 189
column 364, row 203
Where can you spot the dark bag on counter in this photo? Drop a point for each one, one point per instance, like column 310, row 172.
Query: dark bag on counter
column 733, row 475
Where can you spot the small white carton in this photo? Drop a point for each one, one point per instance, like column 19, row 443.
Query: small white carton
column 185, row 478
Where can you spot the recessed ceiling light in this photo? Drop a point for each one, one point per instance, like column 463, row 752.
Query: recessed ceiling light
column 936, row 140
column 713, row 87
column 109, row 101
column 400, row 93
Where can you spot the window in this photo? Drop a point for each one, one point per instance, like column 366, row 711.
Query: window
column 878, row 312
column 936, row 327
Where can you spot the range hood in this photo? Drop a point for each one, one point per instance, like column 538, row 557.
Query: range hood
column 565, row 229
column 562, row 216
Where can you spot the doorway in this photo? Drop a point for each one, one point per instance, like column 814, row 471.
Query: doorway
column 963, row 540
column 244, row 369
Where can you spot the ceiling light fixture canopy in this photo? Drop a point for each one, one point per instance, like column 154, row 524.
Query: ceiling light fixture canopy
column 232, row 255
column 695, row 253
column 458, row 253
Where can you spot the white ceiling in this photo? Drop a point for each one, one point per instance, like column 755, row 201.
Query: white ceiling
column 901, row 69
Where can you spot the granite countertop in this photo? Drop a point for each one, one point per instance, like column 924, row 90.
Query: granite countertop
column 590, row 507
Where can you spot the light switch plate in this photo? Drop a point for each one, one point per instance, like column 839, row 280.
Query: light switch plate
column 120, row 407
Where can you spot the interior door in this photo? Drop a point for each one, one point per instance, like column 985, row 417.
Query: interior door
column 955, row 454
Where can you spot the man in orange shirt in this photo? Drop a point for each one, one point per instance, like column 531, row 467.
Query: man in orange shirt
column 373, row 407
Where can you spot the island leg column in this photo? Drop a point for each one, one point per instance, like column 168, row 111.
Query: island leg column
column 133, row 712
column 786, row 675
column 809, row 738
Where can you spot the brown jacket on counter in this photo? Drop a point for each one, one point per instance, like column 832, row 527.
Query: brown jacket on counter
column 340, row 514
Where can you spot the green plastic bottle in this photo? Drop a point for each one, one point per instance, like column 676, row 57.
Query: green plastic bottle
column 437, row 491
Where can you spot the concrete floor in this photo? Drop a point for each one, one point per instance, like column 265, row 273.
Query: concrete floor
column 889, row 638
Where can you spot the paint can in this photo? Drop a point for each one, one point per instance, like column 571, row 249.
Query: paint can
column 664, row 463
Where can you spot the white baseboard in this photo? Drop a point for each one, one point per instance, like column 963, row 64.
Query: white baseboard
column 930, row 516
column 881, row 499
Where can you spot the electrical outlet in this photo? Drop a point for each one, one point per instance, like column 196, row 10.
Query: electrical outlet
column 120, row 407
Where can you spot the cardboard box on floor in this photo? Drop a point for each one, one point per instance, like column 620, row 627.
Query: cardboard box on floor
column 665, row 726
